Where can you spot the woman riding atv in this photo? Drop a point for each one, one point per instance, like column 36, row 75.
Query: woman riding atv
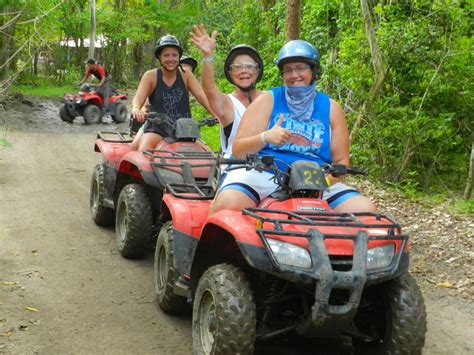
column 167, row 90
column 243, row 68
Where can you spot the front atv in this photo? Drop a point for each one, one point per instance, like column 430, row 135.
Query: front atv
column 129, row 184
column 292, row 265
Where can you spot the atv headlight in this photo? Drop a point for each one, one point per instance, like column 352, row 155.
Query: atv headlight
column 289, row 254
column 380, row 257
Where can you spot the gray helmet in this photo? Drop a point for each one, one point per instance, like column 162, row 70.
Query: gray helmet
column 298, row 50
column 167, row 41
column 243, row 49
column 190, row 61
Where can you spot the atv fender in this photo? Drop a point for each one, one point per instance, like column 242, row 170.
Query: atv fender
column 188, row 215
column 137, row 165
column 117, row 98
column 112, row 151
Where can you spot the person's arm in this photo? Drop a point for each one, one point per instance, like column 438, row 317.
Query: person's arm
column 85, row 77
column 220, row 103
column 196, row 89
column 339, row 138
column 253, row 133
column 101, row 71
column 146, row 86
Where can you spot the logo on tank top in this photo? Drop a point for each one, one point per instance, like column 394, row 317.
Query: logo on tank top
column 306, row 137
column 171, row 100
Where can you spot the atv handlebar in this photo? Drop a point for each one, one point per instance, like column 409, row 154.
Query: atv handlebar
column 341, row 170
column 267, row 162
column 209, row 121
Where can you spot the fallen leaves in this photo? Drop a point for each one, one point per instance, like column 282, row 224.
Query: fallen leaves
column 31, row 309
column 445, row 285
column 8, row 333
column 9, row 283
column 441, row 242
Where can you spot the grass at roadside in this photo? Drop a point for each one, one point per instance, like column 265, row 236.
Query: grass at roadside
column 44, row 91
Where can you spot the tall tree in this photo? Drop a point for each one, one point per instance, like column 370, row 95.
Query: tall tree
column 377, row 64
column 470, row 178
column 292, row 19
column 92, row 32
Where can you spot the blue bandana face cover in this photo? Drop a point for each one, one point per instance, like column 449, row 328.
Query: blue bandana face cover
column 300, row 100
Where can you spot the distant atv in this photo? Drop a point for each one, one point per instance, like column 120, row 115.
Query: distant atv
column 128, row 185
column 289, row 266
column 88, row 103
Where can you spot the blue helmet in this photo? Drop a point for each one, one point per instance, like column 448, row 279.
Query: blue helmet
column 299, row 50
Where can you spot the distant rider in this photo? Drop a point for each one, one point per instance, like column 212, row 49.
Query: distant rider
column 104, row 81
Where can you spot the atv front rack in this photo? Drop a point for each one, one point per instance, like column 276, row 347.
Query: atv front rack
column 114, row 137
column 327, row 219
column 316, row 219
column 185, row 163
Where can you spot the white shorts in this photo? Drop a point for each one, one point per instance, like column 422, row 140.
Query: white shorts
column 259, row 185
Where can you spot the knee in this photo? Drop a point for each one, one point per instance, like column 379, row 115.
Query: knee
column 356, row 204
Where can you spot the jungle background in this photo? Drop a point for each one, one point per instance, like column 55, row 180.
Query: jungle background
column 402, row 70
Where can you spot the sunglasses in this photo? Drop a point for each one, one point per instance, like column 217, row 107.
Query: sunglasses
column 243, row 66
column 298, row 70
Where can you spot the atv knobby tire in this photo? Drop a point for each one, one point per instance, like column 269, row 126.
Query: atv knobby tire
column 166, row 274
column 102, row 216
column 120, row 114
column 224, row 316
column 133, row 221
column 396, row 315
column 92, row 114
column 65, row 115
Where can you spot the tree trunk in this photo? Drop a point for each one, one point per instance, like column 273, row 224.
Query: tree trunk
column 377, row 64
column 292, row 19
column 470, row 178
column 92, row 32
column 6, row 41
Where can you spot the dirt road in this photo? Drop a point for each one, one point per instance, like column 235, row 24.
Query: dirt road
column 64, row 289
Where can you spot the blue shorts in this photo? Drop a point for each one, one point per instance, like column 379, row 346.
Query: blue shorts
column 259, row 185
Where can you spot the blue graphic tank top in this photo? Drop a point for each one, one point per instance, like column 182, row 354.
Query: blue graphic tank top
column 310, row 139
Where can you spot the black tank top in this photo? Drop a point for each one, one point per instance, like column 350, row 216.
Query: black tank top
column 172, row 100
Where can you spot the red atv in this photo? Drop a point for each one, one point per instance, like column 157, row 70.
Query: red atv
column 127, row 187
column 88, row 103
column 290, row 266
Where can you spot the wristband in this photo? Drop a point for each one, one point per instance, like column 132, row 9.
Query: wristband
column 262, row 138
column 208, row 59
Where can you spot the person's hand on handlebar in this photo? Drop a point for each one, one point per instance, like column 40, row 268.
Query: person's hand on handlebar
column 138, row 114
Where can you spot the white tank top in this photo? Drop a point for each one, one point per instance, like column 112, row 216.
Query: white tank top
column 239, row 110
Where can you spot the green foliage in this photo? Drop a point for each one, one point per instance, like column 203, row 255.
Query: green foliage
column 416, row 133
column 462, row 207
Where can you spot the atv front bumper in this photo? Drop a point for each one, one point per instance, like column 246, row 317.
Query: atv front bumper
column 329, row 315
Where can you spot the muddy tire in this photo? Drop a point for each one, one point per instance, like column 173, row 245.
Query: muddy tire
column 133, row 221
column 120, row 113
column 92, row 114
column 102, row 215
column 166, row 274
column 65, row 115
column 224, row 316
column 394, row 316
